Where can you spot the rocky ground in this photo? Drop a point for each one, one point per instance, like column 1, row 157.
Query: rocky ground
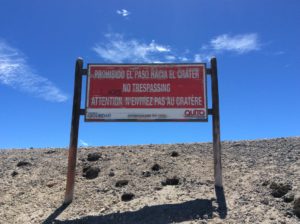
column 154, row 184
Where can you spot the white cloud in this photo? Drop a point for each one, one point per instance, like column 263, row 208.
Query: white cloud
column 16, row 73
column 238, row 43
column 123, row 12
column 83, row 143
column 202, row 57
column 170, row 57
column 117, row 49
column 183, row 59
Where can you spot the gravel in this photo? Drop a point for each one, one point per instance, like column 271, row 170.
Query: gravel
column 261, row 184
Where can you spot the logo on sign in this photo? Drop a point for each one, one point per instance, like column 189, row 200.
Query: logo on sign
column 194, row 113
column 96, row 115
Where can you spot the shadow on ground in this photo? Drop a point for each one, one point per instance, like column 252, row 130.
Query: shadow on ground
column 157, row 214
column 51, row 218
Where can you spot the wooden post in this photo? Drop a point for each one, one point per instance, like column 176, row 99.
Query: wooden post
column 216, row 124
column 74, row 132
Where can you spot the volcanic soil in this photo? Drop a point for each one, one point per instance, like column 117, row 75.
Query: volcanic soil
column 157, row 184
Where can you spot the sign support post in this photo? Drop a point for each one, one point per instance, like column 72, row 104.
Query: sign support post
column 216, row 124
column 74, row 132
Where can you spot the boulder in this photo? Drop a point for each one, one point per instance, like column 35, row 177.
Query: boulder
column 127, row 197
column 170, row 181
column 280, row 189
column 156, row 167
column 23, row 163
column 14, row 173
column 121, row 183
column 91, row 172
column 174, row 154
column 94, row 156
column 146, row 174
column 111, row 174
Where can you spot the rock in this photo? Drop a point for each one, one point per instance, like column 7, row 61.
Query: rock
column 14, row 173
column 174, row 154
column 146, row 174
column 51, row 184
column 272, row 217
column 121, row 183
column 81, row 159
column 102, row 190
column 157, row 188
column 50, row 152
column 279, row 190
column 23, row 163
column 289, row 214
column 265, row 183
column 156, row 167
column 171, row 181
column 296, row 207
column 91, row 172
column 289, row 197
column 111, row 174
column 127, row 197
column 265, row 201
column 94, row 156
column 21, row 193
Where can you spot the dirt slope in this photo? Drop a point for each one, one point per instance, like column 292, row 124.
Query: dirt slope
column 154, row 184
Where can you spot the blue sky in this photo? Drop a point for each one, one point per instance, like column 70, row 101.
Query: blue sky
column 256, row 43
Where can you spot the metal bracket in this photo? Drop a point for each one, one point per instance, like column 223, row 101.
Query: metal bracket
column 208, row 71
column 84, row 71
column 82, row 112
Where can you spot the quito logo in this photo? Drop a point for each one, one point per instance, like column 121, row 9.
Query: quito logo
column 193, row 113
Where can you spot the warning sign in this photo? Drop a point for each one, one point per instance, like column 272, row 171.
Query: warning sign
column 146, row 92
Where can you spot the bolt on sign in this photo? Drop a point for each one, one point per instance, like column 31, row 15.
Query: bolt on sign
column 146, row 92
